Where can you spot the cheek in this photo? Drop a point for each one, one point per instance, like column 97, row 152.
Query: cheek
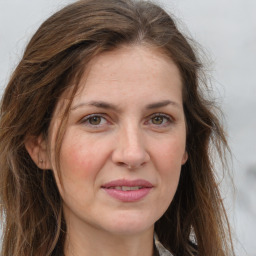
column 77, row 160
column 169, row 159
column 82, row 156
column 170, row 152
column 79, row 168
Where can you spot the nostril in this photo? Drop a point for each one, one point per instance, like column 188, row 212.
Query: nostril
column 120, row 164
column 129, row 166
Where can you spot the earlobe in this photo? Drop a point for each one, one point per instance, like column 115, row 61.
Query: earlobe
column 37, row 149
column 184, row 158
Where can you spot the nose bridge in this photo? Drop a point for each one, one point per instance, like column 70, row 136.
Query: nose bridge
column 132, row 139
column 131, row 148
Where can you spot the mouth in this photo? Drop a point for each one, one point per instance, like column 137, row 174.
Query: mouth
column 127, row 190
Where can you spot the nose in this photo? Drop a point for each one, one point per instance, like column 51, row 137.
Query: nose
column 130, row 150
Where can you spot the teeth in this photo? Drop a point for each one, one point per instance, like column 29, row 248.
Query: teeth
column 125, row 188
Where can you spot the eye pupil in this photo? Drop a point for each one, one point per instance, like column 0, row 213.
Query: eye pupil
column 157, row 120
column 95, row 120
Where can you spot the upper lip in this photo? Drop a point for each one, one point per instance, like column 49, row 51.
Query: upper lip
column 128, row 183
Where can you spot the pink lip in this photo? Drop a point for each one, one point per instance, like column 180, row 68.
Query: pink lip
column 130, row 195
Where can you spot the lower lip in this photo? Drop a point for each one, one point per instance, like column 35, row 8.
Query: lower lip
column 128, row 196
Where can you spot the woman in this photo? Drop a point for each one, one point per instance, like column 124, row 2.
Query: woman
column 107, row 138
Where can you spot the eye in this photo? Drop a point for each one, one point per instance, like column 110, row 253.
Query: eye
column 94, row 120
column 161, row 120
column 157, row 120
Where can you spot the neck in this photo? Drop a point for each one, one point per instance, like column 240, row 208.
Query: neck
column 95, row 242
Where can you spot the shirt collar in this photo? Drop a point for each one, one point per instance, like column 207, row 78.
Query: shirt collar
column 162, row 251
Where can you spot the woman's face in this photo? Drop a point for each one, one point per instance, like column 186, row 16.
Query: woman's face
column 124, row 145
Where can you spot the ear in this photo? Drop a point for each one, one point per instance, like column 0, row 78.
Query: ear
column 184, row 158
column 37, row 149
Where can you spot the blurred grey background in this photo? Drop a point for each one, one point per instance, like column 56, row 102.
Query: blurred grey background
column 227, row 31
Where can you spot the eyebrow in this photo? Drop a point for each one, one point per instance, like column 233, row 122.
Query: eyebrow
column 162, row 104
column 106, row 105
column 98, row 104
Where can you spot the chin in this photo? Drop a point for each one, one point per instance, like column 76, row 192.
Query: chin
column 126, row 224
column 130, row 230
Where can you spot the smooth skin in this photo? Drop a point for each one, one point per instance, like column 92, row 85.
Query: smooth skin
column 126, row 122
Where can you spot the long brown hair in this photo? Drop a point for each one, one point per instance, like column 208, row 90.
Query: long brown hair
column 195, row 223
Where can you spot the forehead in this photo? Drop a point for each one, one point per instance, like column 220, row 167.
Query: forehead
column 135, row 67
column 127, row 73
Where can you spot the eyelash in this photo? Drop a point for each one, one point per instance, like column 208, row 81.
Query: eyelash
column 87, row 119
